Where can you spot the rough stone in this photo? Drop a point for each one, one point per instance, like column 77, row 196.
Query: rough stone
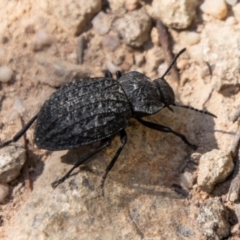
column 134, row 27
column 73, row 15
column 12, row 158
column 178, row 14
column 214, row 167
column 213, row 219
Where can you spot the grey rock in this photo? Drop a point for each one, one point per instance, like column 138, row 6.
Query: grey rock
column 12, row 158
column 214, row 167
column 134, row 27
column 213, row 219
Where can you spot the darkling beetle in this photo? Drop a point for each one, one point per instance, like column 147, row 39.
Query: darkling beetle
column 93, row 109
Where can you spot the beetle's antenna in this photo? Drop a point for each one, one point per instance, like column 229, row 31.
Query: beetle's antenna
column 197, row 110
column 173, row 62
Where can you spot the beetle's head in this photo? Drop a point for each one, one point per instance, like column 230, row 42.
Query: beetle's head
column 165, row 92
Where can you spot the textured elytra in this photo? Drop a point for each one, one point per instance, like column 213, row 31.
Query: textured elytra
column 142, row 93
column 82, row 112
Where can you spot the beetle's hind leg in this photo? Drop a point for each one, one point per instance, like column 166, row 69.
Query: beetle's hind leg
column 162, row 128
column 20, row 133
column 105, row 144
column 123, row 137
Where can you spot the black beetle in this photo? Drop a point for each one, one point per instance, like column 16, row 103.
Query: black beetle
column 93, row 109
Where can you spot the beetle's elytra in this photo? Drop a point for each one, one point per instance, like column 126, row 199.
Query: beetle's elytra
column 93, row 109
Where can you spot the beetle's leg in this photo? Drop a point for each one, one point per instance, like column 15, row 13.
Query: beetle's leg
column 108, row 74
column 106, row 143
column 123, row 137
column 118, row 74
column 20, row 133
column 162, row 128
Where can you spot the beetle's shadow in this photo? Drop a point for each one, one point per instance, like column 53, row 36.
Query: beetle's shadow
column 151, row 158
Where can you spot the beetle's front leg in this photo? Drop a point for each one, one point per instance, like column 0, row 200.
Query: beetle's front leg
column 162, row 128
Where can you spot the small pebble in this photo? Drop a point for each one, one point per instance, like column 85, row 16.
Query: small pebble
column 205, row 72
column 155, row 36
column 236, row 12
column 183, row 64
column 139, row 59
column 6, row 74
column 186, row 180
column 72, row 57
column 128, row 63
column 4, row 190
column 101, row 23
column 2, row 53
column 235, row 230
column 119, row 57
column 112, row 68
column 131, row 5
column 42, row 40
column 18, row 105
column 215, row 8
column 230, row 21
column 111, row 42
column 231, row 2
column 190, row 38
column 162, row 69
